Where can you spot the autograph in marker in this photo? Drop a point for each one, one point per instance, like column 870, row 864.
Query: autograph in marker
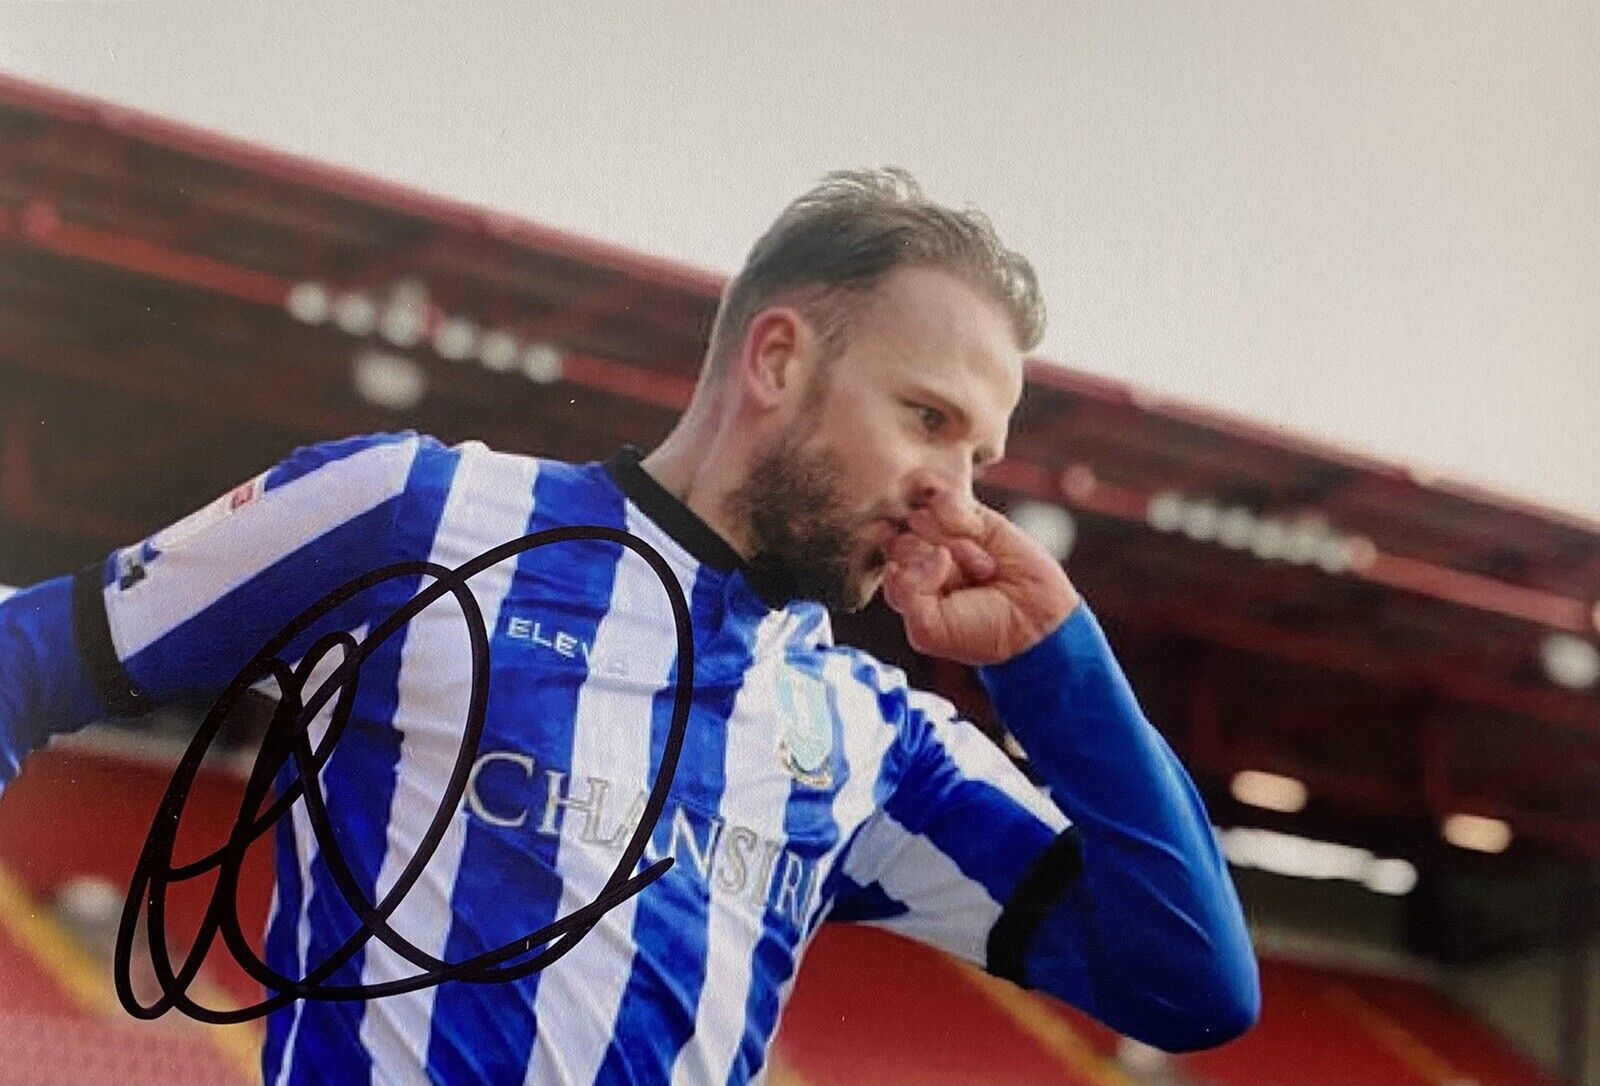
column 288, row 737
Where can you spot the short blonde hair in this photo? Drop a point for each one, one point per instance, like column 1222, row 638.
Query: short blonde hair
column 831, row 247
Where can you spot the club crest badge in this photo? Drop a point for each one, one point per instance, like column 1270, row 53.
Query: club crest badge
column 806, row 747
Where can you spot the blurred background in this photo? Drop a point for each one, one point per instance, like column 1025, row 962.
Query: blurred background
column 1313, row 430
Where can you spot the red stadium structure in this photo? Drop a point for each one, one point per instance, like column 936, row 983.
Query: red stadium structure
column 179, row 309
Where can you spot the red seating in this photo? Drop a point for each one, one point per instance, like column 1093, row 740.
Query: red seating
column 868, row 1009
column 1324, row 1027
column 50, row 1034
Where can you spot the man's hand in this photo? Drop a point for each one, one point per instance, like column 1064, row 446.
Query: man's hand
column 973, row 587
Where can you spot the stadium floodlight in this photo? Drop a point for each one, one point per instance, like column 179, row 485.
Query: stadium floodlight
column 1303, row 539
column 542, row 362
column 391, row 381
column 1078, row 481
column 1393, row 877
column 1290, row 854
column 1570, row 661
column 1306, row 858
column 1307, row 540
column 1165, row 511
column 1476, row 832
column 497, row 350
column 1236, row 527
column 1333, row 553
column 355, row 313
column 308, row 302
column 455, row 338
column 1271, row 791
column 405, row 318
column 1050, row 526
column 1271, row 539
column 1199, row 519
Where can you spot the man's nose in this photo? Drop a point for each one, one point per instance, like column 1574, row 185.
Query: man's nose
column 949, row 475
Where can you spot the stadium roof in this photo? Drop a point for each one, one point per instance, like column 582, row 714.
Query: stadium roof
column 178, row 309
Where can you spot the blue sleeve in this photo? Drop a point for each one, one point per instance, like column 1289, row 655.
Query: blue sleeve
column 1133, row 916
column 44, row 686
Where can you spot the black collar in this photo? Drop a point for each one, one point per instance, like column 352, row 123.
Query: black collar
column 772, row 584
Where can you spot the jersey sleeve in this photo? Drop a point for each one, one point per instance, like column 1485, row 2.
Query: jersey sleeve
column 183, row 611
column 44, row 684
column 1143, row 929
column 955, row 839
column 1111, row 894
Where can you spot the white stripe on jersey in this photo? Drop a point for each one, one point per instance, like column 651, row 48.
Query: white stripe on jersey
column 867, row 739
column 754, row 795
column 490, row 502
column 305, row 841
column 948, row 909
column 610, row 740
column 233, row 549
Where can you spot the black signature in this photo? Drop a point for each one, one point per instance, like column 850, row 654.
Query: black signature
column 287, row 737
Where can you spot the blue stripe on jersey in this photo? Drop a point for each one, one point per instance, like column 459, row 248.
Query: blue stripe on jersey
column 309, row 458
column 361, row 774
column 806, row 630
column 478, row 1033
column 657, row 1013
column 775, row 951
column 958, row 802
column 857, row 903
column 206, row 651
column 282, row 943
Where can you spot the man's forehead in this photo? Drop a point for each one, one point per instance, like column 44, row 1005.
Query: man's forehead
column 934, row 317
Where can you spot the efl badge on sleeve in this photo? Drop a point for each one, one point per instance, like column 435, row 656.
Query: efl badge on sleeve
column 195, row 523
column 806, row 748
column 133, row 563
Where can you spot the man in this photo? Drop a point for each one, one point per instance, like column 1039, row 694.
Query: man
column 862, row 370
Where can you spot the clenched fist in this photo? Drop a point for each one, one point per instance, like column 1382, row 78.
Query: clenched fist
column 973, row 587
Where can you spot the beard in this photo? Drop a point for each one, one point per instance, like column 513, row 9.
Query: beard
column 801, row 530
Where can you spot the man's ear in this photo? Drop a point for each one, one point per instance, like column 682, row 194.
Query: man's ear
column 777, row 349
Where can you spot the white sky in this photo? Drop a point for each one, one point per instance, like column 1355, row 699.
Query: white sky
column 1373, row 223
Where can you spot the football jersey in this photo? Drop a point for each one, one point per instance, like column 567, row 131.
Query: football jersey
column 813, row 783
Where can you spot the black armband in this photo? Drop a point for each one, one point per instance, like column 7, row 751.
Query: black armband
column 91, row 629
column 1058, row 866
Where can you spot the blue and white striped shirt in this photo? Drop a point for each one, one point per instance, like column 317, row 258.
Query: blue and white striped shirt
column 813, row 782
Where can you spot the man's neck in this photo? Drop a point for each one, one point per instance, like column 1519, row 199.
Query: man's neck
column 683, row 469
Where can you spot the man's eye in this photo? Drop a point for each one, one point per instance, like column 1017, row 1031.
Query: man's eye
column 932, row 417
